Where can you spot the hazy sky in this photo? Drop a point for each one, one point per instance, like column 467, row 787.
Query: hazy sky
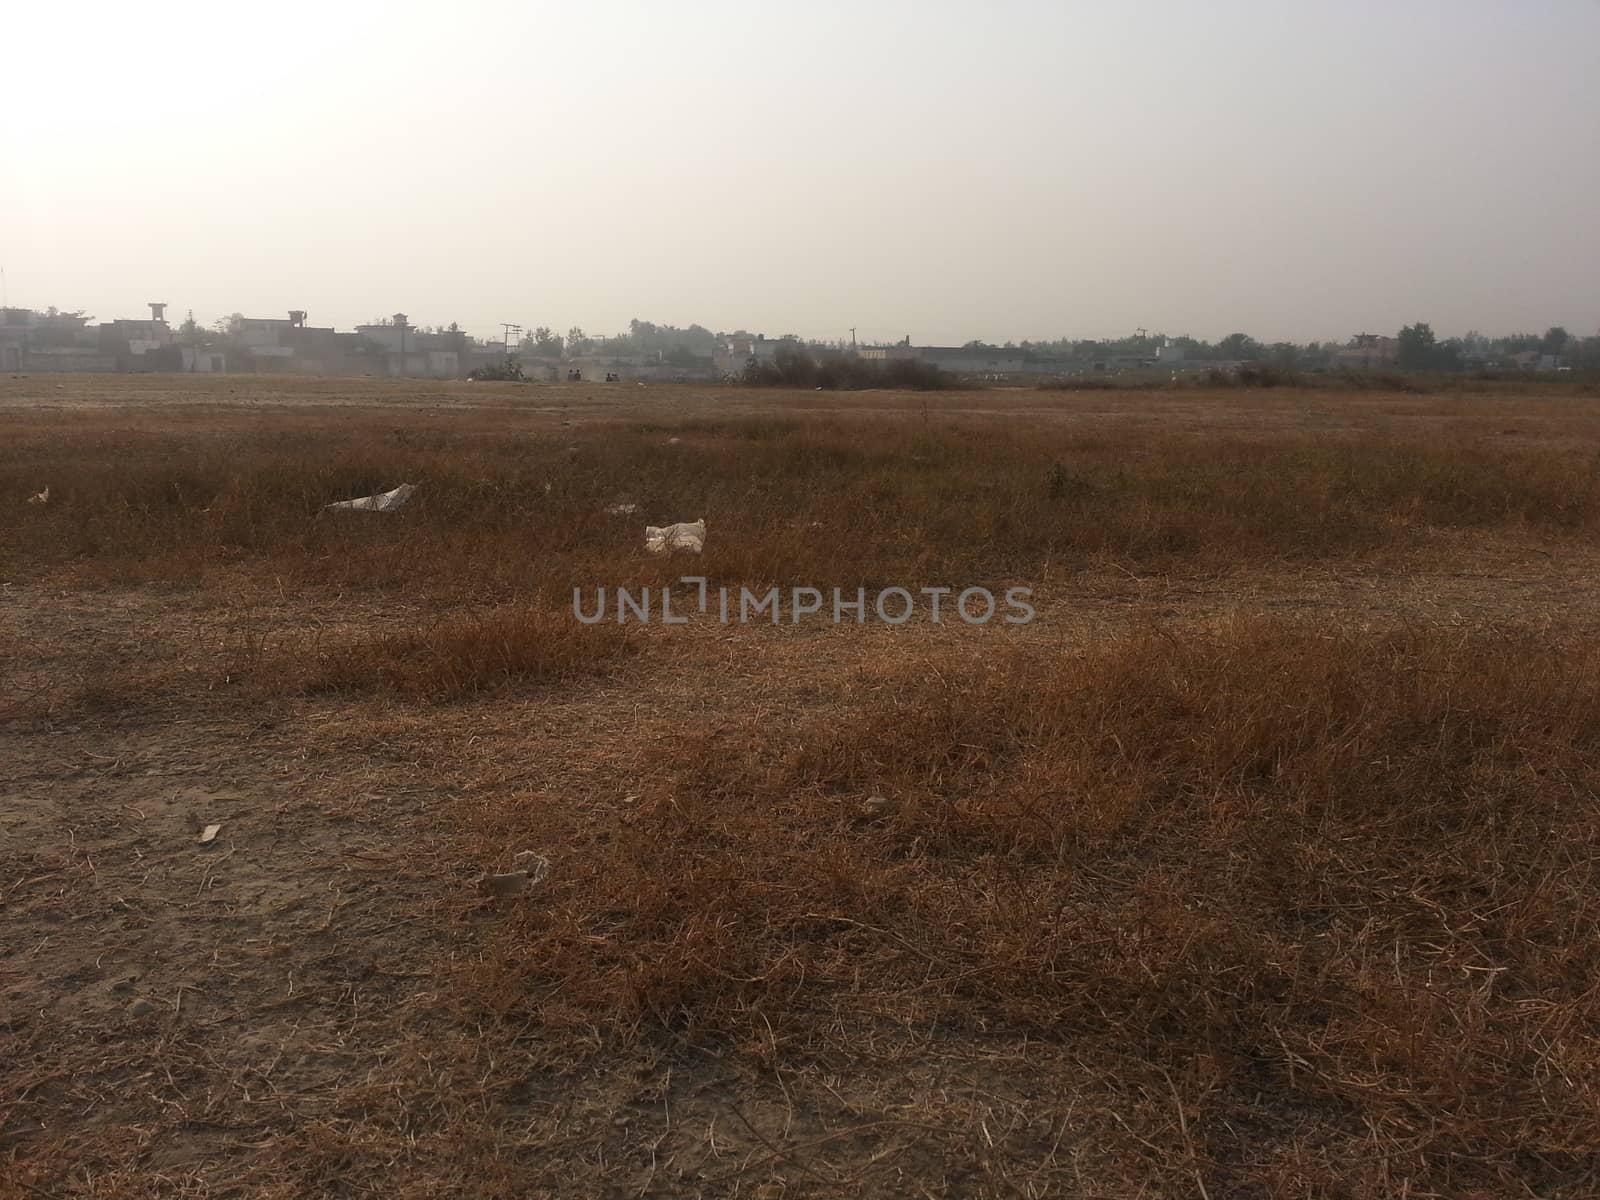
column 946, row 170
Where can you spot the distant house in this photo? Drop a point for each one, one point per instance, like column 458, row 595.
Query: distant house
column 1368, row 352
column 50, row 341
column 405, row 350
column 136, row 344
column 203, row 361
column 268, row 332
column 394, row 336
column 736, row 353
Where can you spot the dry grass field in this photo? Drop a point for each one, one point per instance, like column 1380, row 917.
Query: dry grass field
column 1262, row 863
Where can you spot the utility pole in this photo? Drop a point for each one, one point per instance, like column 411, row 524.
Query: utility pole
column 509, row 330
column 852, row 337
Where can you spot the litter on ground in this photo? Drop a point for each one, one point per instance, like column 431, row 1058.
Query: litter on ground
column 688, row 536
column 532, row 864
column 382, row 502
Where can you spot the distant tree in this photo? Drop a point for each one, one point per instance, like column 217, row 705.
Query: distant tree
column 1239, row 346
column 192, row 333
column 1416, row 347
column 1555, row 340
column 546, row 343
column 578, row 342
column 1316, row 355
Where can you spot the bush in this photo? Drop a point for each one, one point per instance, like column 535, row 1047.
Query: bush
column 1252, row 375
column 795, row 367
column 509, row 371
column 1087, row 383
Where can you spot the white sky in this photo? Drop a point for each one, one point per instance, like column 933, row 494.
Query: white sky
column 1010, row 169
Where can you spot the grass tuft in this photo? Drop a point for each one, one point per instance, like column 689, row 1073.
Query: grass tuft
column 459, row 656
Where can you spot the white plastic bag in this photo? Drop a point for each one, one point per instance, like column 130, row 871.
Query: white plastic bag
column 383, row 502
column 687, row 536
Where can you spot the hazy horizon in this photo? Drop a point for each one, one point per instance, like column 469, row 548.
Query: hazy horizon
column 1028, row 171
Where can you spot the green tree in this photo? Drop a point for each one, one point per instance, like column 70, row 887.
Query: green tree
column 1416, row 346
column 547, row 342
column 1239, row 346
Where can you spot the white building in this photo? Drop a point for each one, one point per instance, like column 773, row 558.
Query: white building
column 204, row 362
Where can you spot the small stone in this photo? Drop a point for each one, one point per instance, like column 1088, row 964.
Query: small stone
column 141, row 1008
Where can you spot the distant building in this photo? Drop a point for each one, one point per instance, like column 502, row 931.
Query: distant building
column 1368, row 352
column 734, row 354
column 49, row 341
column 404, row 350
column 274, row 332
column 394, row 336
column 138, row 345
column 203, row 361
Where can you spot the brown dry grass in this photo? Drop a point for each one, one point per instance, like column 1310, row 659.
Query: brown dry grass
column 1338, row 887
column 511, row 503
column 454, row 657
column 1169, row 896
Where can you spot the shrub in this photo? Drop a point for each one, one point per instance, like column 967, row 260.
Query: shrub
column 796, row 367
column 509, row 371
